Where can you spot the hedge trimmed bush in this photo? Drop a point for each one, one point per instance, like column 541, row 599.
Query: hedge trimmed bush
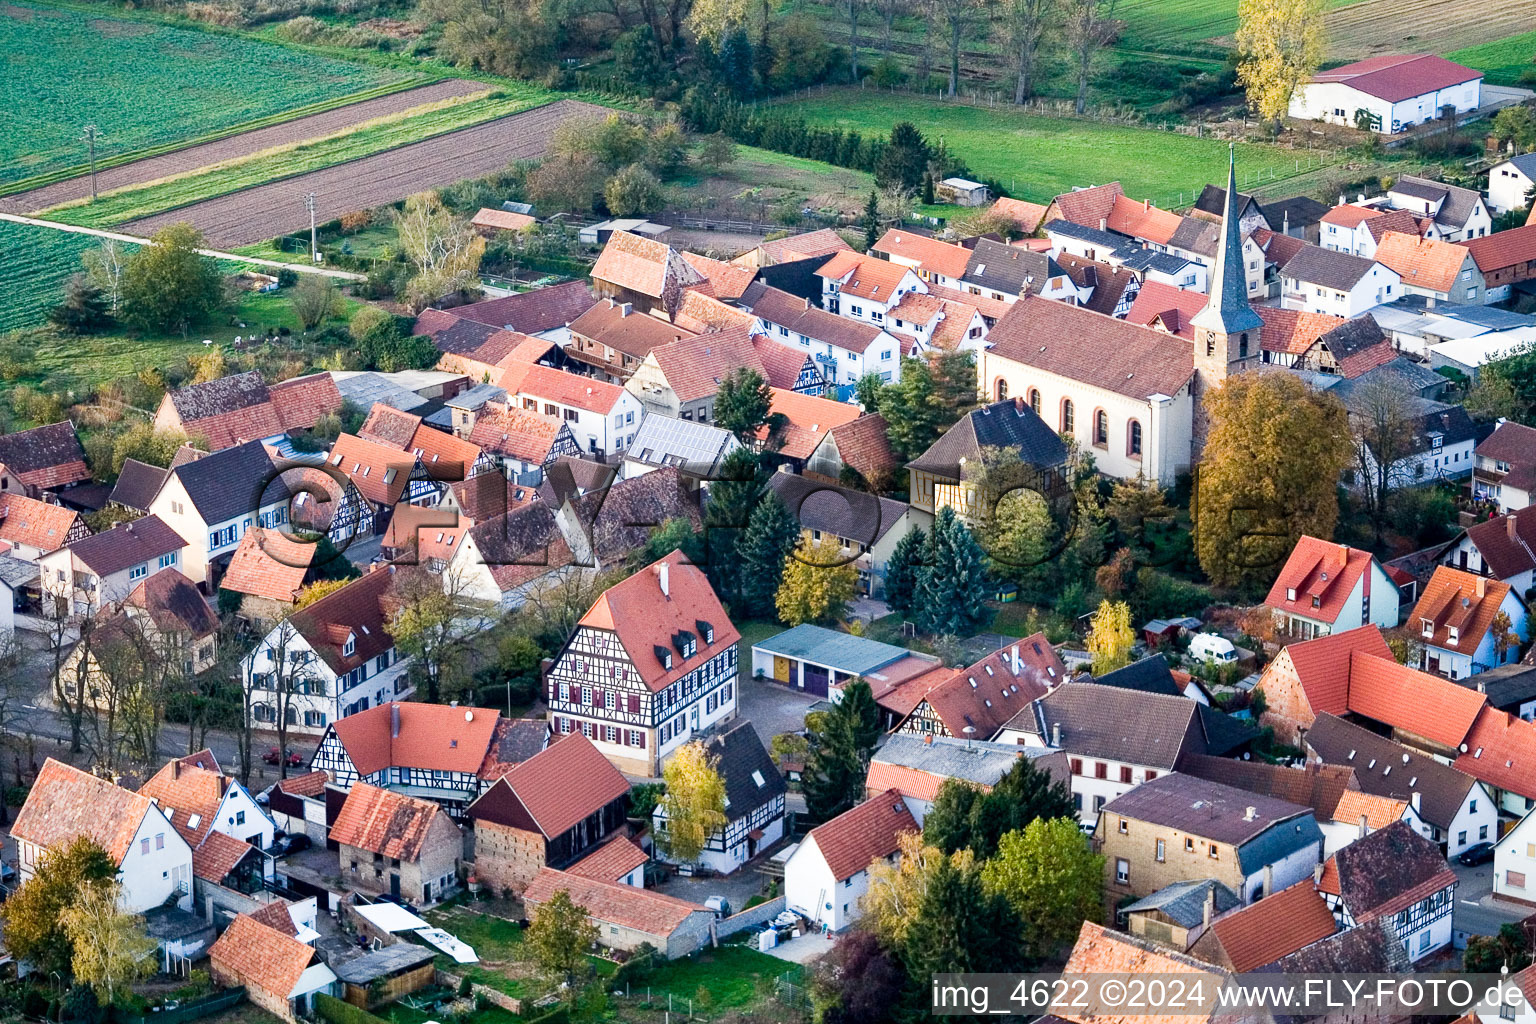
column 335, row 1011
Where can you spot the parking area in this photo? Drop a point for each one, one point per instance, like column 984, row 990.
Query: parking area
column 737, row 888
column 1477, row 912
column 771, row 708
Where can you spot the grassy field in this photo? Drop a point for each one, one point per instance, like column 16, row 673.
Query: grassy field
column 1503, row 60
column 1039, row 157
column 37, row 263
column 730, row 974
column 143, row 84
column 377, row 136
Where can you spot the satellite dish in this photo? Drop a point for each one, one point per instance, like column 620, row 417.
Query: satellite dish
column 469, row 716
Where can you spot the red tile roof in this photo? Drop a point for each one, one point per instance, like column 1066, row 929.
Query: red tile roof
column 379, row 472
column 1277, row 926
column 1422, row 262
column 642, row 910
column 502, row 220
column 644, row 618
column 1094, row 349
column 268, row 564
column 434, row 533
column 700, row 312
column 643, row 265
column 984, row 696
column 384, row 822
column 1322, row 575
column 276, row 915
column 1090, row 206
column 260, row 956
column 1500, row 250
column 694, row 367
column 807, row 245
column 867, row 277
column 1100, row 950
column 218, row 855
column 1323, row 665
column 870, row 831
column 564, row 783
column 1378, row 811
column 1426, row 705
column 182, row 793
column 389, row 426
column 611, row 861
column 45, row 457
column 726, row 281
column 1167, row 307
column 1143, row 220
column 301, row 401
column 1293, row 331
column 1456, row 598
column 1398, row 77
column 1028, row 216
column 66, row 802
column 174, row 604
column 308, row 784
column 1501, row 751
column 808, row 420
column 864, row 445
column 1393, row 220
column 930, row 254
column 359, row 610
column 34, row 523
column 227, row 411
column 529, row 380
column 431, row 736
column 521, row 434
column 1349, row 215
column 445, row 456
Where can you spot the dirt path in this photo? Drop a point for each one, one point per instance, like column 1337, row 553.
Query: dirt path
column 244, row 144
column 266, row 211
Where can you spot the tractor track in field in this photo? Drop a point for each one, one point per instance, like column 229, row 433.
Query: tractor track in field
column 244, row 144
column 266, row 211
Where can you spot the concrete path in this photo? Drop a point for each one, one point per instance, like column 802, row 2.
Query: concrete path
column 302, row 268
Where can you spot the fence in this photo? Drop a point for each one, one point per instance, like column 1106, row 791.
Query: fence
column 190, row 1011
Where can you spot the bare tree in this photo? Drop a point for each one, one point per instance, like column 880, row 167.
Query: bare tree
column 929, row 9
column 958, row 16
column 1023, row 27
column 1089, row 26
column 854, row 8
column 1386, row 441
column 68, row 692
column 16, row 682
column 889, row 11
column 104, row 266
column 273, row 673
column 434, row 622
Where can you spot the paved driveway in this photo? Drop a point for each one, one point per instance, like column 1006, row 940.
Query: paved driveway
column 1477, row 913
column 771, row 708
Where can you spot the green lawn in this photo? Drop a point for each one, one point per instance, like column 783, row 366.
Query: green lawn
column 143, row 84
column 1501, row 60
column 286, row 161
column 1038, row 157
column 495, row 941
column 729, row 974
column 37, row 263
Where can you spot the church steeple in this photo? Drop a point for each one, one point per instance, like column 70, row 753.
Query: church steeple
column 1227, row 310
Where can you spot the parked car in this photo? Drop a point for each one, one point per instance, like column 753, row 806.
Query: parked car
column 1212, row 647
column 282, row 846
column 1472, row 856
column 274, row 756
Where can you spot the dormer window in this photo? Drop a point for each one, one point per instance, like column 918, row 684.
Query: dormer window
column 1452, row 635
column 664, row 656
column 1316, row 601
column 350, row 647
column 706, row 631
column 686, row 643
column 1428, row 628
column 1290, row 593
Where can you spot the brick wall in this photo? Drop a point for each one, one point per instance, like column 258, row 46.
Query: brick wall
column 275, row 1004
column 506, row 857
column 1138, row 846
column 1287, row 708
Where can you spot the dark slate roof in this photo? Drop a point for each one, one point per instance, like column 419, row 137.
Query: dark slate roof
column 517, row 739
column 1353, row 336
column 1225, row 733
column 45, row 447
column 1125, row 725
column 1263, row 829
column 383, row 962
column 542, row 309
column 750, row 777
column 1006, row 424
column 1213, row 200
column 232, row 482
column 843, row 511
column 462, row 337
column 1368, row 949
column 1441, row 788
column 137, row 485
column 1149, row 259
column 1389, row 870
column 1316, row 265
column 1085, row 234
column 1507, row 686
column 226, row 394
column 1149, row 675
column 1184, row 902
column 127, row 544
column 1297, row 212
column 1008, row 268
column 1458, row 205
column 1196, row 235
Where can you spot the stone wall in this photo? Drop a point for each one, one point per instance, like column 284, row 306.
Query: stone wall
column 492, row 996
column 751, row 917
column 1287, row 707
column 507, row 858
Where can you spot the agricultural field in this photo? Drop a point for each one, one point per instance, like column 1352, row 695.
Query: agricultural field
column 244, row 144
column 378, row 136
column 1408, row 26
column 145, row 85
column 1502, row 61
column 36, row 263
column 1038, row 157
column 265, row 211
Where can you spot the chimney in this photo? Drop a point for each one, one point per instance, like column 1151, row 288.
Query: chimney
column 1016, row 664
column 1414, row 800
column 1209, row 910
column 394, row 721
column 626, row 309
column 1269, row 879
column 1509, row 525
column 1146, row 204
column 1344, row 553
column 1482, row 684
column 1365, row 826
column 1285, row 223
column 1250, row 813
column 1018, row 405
column 1103, row 224
column 1342, row 199
column 1317, row 874
column 1055, row 734
column 661, row 575
column 176, row 769
column 928, row 740
column 1482, row 587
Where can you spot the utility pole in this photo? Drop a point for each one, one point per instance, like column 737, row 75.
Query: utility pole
column 89, row 135
column 314, row 247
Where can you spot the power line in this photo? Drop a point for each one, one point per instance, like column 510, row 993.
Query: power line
column 314, row 248
column 89, row 135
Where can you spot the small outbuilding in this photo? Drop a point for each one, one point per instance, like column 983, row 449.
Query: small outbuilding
column 385, row 974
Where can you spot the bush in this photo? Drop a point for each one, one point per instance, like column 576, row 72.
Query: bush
column 329, row 1008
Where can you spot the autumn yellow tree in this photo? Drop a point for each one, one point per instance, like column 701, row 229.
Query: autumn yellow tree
column 1269, row 473
column 896, row 891
column 1280, row 46
column 694, row 804
column 818, row 584
column 112, row 949
column 1110, row 637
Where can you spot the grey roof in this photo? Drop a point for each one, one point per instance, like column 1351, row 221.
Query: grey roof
column 1507, row 686
column 1007, row 424
column 695, row 447
column 1225, row 733
column 1450, row 422
column 1491, row 317
column 1083, row 233
column 750, row 776
column 382, row 962
column 1149, row 675
column 365, row 389
column 1184, row 902
column 232, row 482
column 1196, row 235
column 225, row 394
column 1148, row 259
column 1459, row 202
column 517, row 739
column 978, row 762
column 16, row 574
column 167, row 924
column 1295, row 212
column 1262, row 828
column 1371, row 948
column 842, row 511
column 1123, row 725
column 1213, row 200
column 137, row 485
column 476, row 397
column 1441, row 789
column 1316, row 265
column 127, row 544
column 1353, row 336
column 855, row 655
column 1406, row 374
column 1008, row 268
column 1525, row 162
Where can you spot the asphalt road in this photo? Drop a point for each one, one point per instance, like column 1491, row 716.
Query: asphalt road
column 1476, row 913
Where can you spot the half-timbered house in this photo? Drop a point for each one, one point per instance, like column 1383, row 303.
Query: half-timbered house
column 548, row 811
column 1399, row 877
column 754, row 800
column 384, row 476
column 651, row 664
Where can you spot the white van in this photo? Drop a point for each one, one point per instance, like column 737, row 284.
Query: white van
column 1212, row 647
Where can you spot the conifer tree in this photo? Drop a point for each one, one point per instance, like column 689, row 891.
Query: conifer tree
column 901, row 572
column 769, row 538
column 952, row 585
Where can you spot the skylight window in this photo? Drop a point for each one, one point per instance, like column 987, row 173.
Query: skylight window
column 757, row 777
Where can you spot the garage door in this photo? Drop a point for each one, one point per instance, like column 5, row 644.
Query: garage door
column 781, row 668
column 816, row 680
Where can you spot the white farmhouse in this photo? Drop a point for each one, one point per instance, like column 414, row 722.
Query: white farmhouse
column 845, row 348
column 211, row 500
column 603, row 417
column 828, row 872
column 95, row 572
column 154, row 863
column 1510, row 183
column 1319, row 280
column 1388, row 93
column 865, row 289
column 1330, row 588
column 1454, row 622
